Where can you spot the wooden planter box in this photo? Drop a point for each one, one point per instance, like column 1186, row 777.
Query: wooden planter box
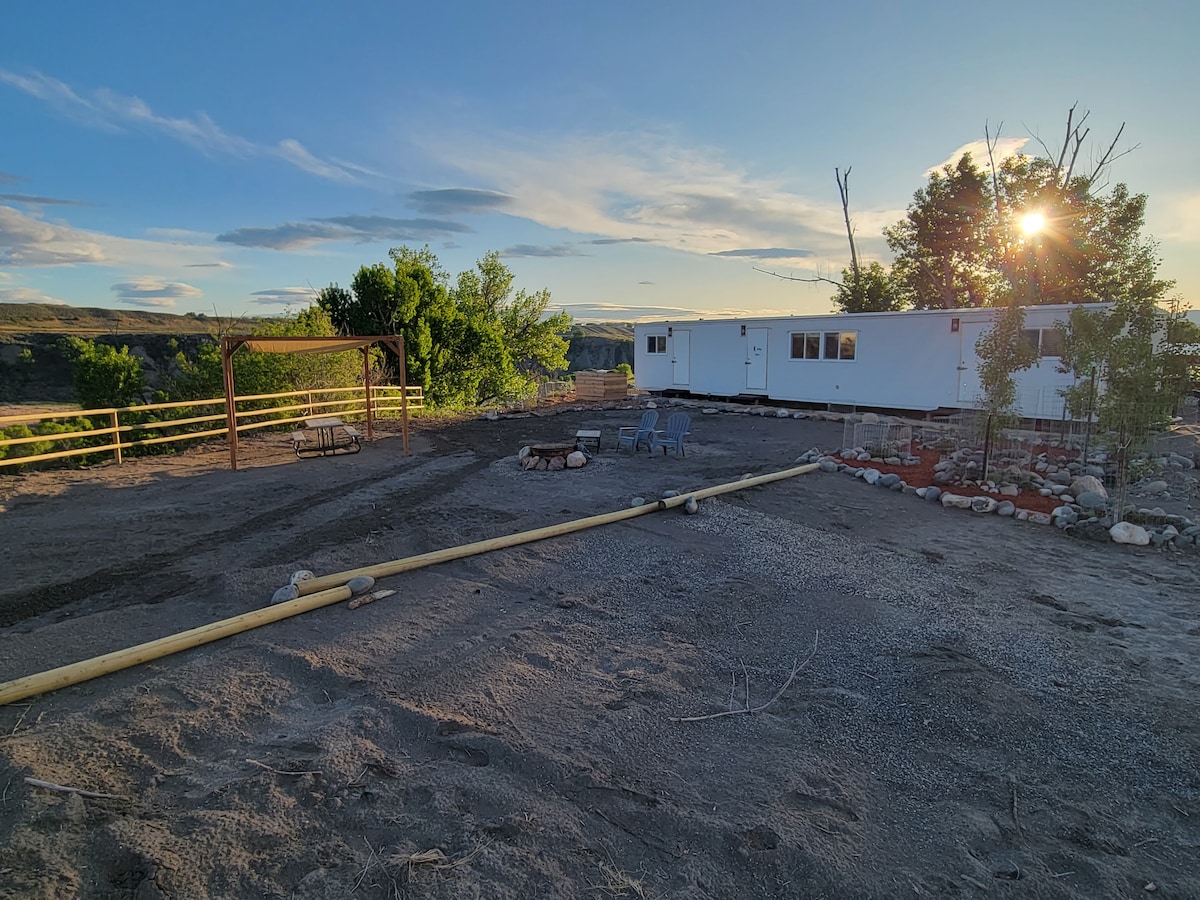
column 600, row 385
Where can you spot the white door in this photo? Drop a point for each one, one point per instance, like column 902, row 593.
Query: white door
column 681, row 357
column 969, row 389
column 756, row 358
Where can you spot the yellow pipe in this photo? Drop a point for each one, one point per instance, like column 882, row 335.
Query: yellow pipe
column 64, row 676
column 330, row 589
column 395, row 567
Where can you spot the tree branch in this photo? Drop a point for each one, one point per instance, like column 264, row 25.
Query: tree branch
column 991, row 150
column 812, row 280
column 843, row 183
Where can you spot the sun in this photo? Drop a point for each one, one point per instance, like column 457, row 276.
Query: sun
column 1033, row 223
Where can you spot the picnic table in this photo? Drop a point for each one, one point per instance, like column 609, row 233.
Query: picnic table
column 321, row 437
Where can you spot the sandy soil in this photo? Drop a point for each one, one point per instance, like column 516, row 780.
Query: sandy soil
column 993, row 707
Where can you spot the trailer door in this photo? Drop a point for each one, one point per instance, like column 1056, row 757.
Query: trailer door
column 681, row 357
column 756, row 358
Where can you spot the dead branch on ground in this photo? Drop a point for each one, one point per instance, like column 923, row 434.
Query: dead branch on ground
column 797, row 667
column 255, row 762
column 64, row 789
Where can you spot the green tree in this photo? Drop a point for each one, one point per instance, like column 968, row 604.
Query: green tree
column 474, row 342
column 966, row 240
column 1002, row 352
column 1133, row 364
column 942, row 246
column 875, row 289
column 104, row 376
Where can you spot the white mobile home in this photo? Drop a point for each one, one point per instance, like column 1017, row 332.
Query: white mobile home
column 919, row 360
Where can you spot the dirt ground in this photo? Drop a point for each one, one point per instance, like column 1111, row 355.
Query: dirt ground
column 993, row 708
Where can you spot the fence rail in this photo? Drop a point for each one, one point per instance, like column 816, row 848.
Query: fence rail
column 114, row 430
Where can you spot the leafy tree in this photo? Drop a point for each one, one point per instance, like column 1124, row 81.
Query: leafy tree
column 470, row 343
column 962, row 242
column 1132, row 366
column 1002, row 352
column 942, row 247
column 874, row 289
column 104, row 376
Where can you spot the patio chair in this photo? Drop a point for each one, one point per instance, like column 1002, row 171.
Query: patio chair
column 632, row 436
column 677, row 429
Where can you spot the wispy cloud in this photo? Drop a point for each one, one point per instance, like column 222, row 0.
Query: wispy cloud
column 109, row 111
column 219, row 264
column 603, row 242
column 766, row 253
column 28, row 241
column 288, row 296
column 647, row 188
column 1178, row 219
column 10, row 178
column 645, row 282
column 458, row 201
column 37, row 200
column 22, row 293
column 149, row 290
column 1005, row 147
column 516, row 251
column 343, row 229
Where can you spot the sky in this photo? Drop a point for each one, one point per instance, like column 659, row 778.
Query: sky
column 639, row 160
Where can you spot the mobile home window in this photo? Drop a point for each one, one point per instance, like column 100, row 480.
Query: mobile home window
column 806, row 345
column 840, row 344
column 656, row 343
column 1046, row 342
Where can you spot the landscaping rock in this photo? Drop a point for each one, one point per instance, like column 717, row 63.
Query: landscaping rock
column 870, row 419
column 576, row 460
column 1154, row 487
column 691, row 506
column 1010, row 490
column 983, row 505
column 871, row 476
column 864, row 457
column 522, row 453
column 1128, row 533
column 953, row 500
column 932, row 493
column 1088, row 484
column 1040, row 518
column 1005, row 508
column 1092, row 500
column 888, row 480
column 667, row 495
column 893, row 461
column 828, row 465
column 637, row 501
column 709, row 411
column 557, row 463
column 1021, row 515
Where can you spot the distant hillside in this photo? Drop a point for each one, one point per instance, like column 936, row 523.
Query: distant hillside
column 46, row 318
column 156, row 337
column 600, row 346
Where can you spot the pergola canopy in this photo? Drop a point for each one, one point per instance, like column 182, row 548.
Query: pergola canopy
column 232, row 343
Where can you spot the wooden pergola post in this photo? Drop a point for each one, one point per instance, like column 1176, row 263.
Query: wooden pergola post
column 399, row 345
column 366, row 352
column 229, row 346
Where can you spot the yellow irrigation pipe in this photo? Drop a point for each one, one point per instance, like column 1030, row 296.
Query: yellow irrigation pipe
column 395, row 567
column 330, row 589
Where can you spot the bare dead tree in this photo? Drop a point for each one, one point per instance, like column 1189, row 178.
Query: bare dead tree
column 1073, row 140
column 843, row 183
column 991, row 143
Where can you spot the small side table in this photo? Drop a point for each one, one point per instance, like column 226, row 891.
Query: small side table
column 588, row 439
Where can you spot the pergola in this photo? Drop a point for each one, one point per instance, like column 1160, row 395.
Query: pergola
column 233, row 343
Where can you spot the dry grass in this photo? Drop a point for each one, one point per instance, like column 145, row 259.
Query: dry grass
column 618, row 884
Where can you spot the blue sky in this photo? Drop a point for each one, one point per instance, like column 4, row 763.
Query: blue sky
column 639, row 160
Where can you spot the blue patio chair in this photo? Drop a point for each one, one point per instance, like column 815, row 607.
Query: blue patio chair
column 672, row 437
column 632, row 436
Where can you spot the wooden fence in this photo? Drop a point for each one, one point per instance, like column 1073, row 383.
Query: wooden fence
column 103, row 431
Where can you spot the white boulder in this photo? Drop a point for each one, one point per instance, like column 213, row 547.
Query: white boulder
column 576, row 460
column 1128, row 533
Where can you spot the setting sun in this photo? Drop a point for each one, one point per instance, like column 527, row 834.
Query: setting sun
column 1033, row 223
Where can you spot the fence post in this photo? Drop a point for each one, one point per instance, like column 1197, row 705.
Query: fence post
column 116, row 426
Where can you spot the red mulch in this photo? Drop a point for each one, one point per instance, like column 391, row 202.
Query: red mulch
column 922, row 476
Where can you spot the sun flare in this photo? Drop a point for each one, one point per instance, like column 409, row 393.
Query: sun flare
column 1033, row 223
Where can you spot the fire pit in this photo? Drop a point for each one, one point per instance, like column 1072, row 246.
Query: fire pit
column 550, row 451
column 551, row 457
